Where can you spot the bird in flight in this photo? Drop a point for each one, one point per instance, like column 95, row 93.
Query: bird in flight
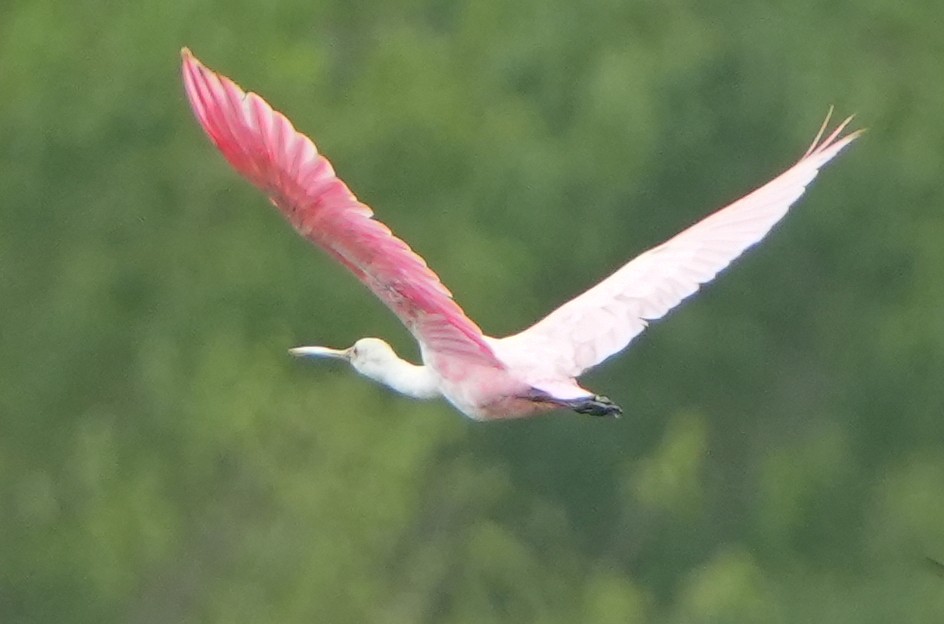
column 485, row 378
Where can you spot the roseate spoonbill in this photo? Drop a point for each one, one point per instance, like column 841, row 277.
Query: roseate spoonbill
column 485, row 378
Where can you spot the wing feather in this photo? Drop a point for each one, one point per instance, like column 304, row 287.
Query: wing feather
column 604, row 320
column 262, row 145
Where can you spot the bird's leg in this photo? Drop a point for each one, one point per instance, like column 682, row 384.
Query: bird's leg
column 596, row 405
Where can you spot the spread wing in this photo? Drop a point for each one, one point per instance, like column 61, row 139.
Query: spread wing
column 263, row 146
column 602, row 321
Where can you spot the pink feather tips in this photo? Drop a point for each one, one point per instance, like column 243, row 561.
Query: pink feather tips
column 260, row 142
column 818, row 146
column 221, row 108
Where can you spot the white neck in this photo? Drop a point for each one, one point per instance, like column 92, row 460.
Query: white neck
column 418, row 382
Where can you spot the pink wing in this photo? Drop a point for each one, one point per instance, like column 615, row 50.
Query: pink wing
column 588, row 329
column 262, row 145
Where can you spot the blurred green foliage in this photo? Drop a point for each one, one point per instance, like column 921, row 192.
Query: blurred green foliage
column 163, row 460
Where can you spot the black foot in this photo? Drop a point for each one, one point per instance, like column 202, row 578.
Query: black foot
column 597, row 406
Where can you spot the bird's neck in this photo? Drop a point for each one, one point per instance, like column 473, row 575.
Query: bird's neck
column 415, row 381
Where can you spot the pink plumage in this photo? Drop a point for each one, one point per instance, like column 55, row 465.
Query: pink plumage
column 484, row 377
column 263, row 146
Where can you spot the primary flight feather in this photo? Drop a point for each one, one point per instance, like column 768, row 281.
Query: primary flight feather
column 485, row 378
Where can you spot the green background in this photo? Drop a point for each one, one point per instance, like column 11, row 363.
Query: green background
column 162, row 459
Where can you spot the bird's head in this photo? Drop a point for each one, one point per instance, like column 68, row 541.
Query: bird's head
column 368, row 356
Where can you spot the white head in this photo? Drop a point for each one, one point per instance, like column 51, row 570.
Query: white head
column 369, row 356
column 374, row 358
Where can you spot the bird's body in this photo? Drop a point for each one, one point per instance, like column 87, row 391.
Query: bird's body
column 485, row 378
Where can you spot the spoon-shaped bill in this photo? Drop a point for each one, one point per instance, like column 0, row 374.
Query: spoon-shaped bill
column 321, row 352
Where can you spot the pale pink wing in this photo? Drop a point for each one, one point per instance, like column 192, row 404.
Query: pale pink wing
column 263, row 146
column 602, row 321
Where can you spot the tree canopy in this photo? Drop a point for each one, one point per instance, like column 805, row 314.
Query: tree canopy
column 162, row 459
